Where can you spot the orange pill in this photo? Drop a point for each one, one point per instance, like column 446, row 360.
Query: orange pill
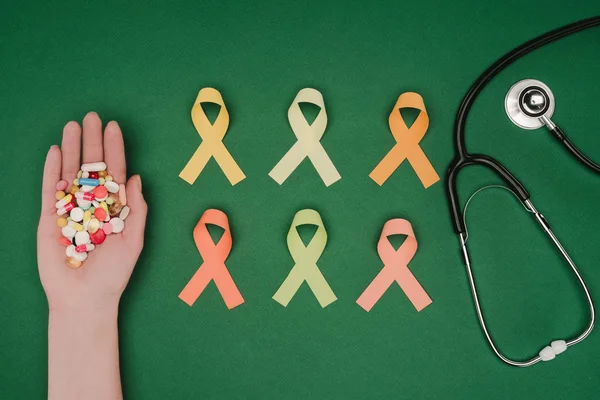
column 64, row 241
column 100, row 213
column 59, row 194
column 73, row 189
column 100, row 192
column 72, row 263
column 102, row 174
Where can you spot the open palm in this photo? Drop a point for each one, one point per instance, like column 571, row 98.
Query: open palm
column 105, row 273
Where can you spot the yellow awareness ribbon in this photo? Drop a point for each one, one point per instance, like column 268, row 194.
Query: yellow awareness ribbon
column 212, row 140
column 308, row 144
column 306, row 257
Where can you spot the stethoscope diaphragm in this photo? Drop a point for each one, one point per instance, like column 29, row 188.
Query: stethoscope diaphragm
column 527, row 102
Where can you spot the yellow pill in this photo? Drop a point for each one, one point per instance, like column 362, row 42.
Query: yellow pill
column 73, row 189
column 103, row 205
column 59, row 195
column 92, row 209
column 101, row 181
column 93, row 225
column 62, row 222
column 77, row 226
column 87, row 216
column 108, row 177
column 102, row 174
column 109, row 200
column 79, row 174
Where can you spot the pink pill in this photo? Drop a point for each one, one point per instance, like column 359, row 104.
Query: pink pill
column 62, row 185
column 107, row 228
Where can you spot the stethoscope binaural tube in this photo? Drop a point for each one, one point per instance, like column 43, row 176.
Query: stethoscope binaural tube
column 463, row 158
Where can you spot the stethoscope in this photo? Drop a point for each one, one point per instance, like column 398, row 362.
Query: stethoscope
column 530, row 105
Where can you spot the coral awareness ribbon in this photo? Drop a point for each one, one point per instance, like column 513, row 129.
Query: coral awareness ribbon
column 407, row 143
column 212, row 140
column 308, row 144
column 213, row 267
column 306, row 257
column 395, row 268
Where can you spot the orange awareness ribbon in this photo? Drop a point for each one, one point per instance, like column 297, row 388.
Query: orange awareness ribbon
column 212, row 140
column 407, row 143
column 395, row 268
column 214, row 256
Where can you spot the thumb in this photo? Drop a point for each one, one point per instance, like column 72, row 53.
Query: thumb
column 136, row 221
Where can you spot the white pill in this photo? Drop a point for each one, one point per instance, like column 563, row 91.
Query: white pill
column 82, row 238
column 547, row 354
column 85, row 174
column 70, row 250
column 95, row 204
column 124, row 213
column 558, row 346
column 87, row 188
column 93, row 167
column 79, row 256
column 77, row 214
column 111, row 186
column 68, row 231
column 117, row 225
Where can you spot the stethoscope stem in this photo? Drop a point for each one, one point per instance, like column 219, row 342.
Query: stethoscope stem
column 545, row 226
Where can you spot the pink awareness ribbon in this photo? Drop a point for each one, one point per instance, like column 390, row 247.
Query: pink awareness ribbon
column 395, row 268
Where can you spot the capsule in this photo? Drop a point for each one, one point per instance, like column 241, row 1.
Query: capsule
column 85, row 196
column 93, row 167
column 111, row 186
column 65, row 209
column 88, row 182
column 64, row 201
column 84, row 247
column 72, row 263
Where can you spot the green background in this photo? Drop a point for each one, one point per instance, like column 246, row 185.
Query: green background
column 142, row 64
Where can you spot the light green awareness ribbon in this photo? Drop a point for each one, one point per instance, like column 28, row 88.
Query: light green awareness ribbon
column 306, row 257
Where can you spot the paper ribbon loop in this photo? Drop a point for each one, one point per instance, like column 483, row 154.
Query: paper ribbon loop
column 395, row 268
column 306, row 257
column 308, row 144
column 213, row 267
column 212, row 140
column 407, row 143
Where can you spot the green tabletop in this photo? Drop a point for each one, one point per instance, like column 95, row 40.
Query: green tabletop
column 143, row 64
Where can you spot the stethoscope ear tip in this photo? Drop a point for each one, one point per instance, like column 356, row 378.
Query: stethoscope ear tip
column 528, row 103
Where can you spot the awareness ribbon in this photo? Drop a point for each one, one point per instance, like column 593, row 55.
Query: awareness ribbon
column 308, row 144
column 395, row 268
column 214, row 256
column 306, row 257
column 212, row 140
column 407, row 143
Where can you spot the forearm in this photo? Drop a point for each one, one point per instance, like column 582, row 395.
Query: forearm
column 83, row 354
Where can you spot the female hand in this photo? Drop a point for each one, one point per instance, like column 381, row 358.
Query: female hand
column 103, row 276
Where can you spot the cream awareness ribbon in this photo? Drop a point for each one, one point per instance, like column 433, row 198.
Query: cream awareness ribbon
column 308, row 144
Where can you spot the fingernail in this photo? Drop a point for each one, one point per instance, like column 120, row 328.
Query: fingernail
column 54, row 146
column 139, row 178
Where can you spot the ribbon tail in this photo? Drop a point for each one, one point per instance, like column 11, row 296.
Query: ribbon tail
column 324, row 166
column 226, row 286
column 196, row 164
column 388, row 165
column 319, row 286
column 196, row 285
column 230, row 168
column 422, row 166
column 290, row 286
column 288, row 163
column 376, row 289
column 413, row 289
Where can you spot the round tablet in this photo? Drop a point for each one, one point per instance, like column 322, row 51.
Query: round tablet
column 107, row 228
column 70, row 250
column 62, row 185
column 79, row 256
column 98, row 236
column 68, row 231
column 100, row 213
column 72, row 263
column 100, row 192
column 77, row 214
column 93, row 225
column 117, row 225
column 82, row 238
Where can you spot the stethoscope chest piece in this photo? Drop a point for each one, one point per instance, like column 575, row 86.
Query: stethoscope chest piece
column 528, row 102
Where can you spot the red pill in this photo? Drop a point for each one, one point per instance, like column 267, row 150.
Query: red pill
column 93, row 175
column 100, row 192
column 64, row 241
column 98, row 236
column 100, row 213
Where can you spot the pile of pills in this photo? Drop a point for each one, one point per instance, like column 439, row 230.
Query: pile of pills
column 93, row 207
